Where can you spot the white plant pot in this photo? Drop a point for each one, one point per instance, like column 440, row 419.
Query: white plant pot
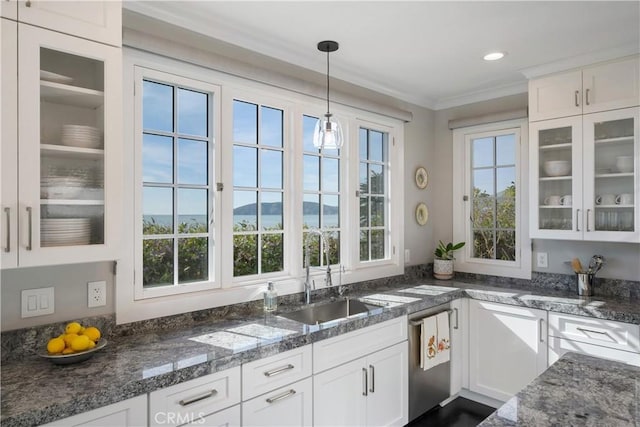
column 443, row 269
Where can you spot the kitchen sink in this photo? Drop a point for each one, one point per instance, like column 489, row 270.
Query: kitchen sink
column 327, row 312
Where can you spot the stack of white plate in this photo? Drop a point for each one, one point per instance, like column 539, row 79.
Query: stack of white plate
column 62, row 187
column 81, row 136
column 65, row 231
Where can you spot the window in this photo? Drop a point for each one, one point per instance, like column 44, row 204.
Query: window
column 373, row 194
column 176, row 185
column 321, row 197
column 490, row 201
column 258, row 190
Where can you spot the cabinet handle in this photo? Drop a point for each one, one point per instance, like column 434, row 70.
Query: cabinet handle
column 28, row 3
column 588, row 211
column 278, row 370
column 587, row 96
column 541, row 330
column 30, row 228
column 284, row 395
column 372, row 389
column 211, row 393
column 364, row 382
column 456, row 311
column 591, row 330
column 575, row 96
column 7, row 211
column 577, row 219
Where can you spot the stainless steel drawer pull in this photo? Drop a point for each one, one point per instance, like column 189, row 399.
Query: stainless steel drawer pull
column 592, row 331
column 278, row 370
column 185, row 402
column 577, row 219
column 587, row 96
column 588, row 212
column 372, row 389
column 7, row 211
column 457, row 324
column 542, row 331
column 576, row 97
column 30, row 228
column 364, row 382
column 281, row 396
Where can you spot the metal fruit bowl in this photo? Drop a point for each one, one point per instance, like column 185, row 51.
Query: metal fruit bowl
column 68, row 359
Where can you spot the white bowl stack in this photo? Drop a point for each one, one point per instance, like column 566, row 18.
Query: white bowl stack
column 81, row 136
column 65, row 231
column 557, row 167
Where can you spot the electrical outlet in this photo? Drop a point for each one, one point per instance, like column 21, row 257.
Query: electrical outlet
column 96, row 294
column 37, row 302
column 407, row 255
column 542, row 260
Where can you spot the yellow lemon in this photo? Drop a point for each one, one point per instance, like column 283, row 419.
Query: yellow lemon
column 80, row 343
column 73, row 328
column 68, row 351
column 91, row 344
column 92, row 332
column 68, row 338
column 55, row 345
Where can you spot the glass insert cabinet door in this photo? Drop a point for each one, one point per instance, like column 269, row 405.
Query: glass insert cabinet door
column 68, row 93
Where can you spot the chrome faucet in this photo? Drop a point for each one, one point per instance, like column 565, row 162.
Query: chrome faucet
column 308, row 283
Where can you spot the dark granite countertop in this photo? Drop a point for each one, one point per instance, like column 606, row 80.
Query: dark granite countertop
column 35, row 392
column 577, row 390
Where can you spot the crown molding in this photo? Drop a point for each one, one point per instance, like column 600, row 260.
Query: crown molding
column 482, row 95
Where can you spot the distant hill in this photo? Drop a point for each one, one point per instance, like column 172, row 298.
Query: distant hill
column 308, row 208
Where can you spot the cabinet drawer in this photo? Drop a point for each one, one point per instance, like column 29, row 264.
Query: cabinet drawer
column 263, row 375
column 559, row 346
column 341, row 349
column 194, row 399
column 607, row 333
column 287, row 406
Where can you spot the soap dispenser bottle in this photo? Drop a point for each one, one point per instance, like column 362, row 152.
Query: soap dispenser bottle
column 270, row 298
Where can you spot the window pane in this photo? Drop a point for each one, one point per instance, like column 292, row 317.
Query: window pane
column 377, row 211
column 364, row 178
column 483, row 182
column 272, row 253
column 364, row 245
column 333, row 240
column 192, row 211
column 157, row 158
column 157, row 261
column 192, row 112
column 483, row 211
column 271, row 127
column 482, row 152
column 364, row 211
column 245, row 122
column 506, row 213
column 311, row 173
column 311, row 211
column 377, row 179
column 506, row 245
column 308, row 124
column 193, row 264
column 271, row 169
column 245, row 254
column 157, row 210
column 377, row 244
column 376, row 146
column 483, row 244
column 192, row 162
column 312, row 241
column 157, row 106
column 330, row 211
column 271, row 211
column 506, row 150
column 506, row 182
column 364, row 151
column 245, row 210
column 330, row 175
column 245, row 166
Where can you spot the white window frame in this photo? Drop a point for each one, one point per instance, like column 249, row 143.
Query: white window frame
column 465, row 262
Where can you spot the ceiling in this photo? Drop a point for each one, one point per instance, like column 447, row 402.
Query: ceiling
column 424, row 52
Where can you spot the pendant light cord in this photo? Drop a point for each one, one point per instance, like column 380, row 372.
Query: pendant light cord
column 328, row 113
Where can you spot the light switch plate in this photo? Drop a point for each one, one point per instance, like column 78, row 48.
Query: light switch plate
column 37, row 302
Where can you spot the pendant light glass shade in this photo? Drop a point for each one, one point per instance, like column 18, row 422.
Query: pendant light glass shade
column 327, row 132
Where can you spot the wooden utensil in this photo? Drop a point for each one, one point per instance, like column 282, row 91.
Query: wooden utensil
column 576, row 265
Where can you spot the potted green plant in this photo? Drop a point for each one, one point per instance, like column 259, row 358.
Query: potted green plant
column 443, row 262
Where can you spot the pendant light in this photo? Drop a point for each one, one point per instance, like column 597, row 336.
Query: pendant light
column 327, row 133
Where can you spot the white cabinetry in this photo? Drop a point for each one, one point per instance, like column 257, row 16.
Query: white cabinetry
column 596, row 196
column 188, row 402
column 128, row 413
column 94, row 20
column 370, row 390
column 596, row 337
column 459, row 339
column 9, row 9
column 601, row 87
column 64, row 205
column 507, row 348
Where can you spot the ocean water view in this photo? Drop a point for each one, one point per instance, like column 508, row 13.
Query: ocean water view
column 267, row 220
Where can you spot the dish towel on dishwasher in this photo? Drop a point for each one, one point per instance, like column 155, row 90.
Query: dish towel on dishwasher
column 434, row 340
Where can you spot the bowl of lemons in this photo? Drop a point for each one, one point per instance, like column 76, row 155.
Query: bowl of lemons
column 76, row 344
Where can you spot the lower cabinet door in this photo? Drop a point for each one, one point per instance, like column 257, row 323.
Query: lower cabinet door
column 229, row 417
column 287, row 406
column 507, row 348
column 340, row 395
column 387, row 400
column 128, row 413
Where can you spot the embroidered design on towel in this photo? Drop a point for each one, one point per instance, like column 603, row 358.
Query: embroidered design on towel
column 431, row 347
column 443, row 345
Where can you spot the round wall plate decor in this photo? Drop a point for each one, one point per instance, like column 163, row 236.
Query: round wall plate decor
column 422, row 179
column 422, row 214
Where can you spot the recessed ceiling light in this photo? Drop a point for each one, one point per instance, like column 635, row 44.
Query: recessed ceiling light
column 494, row 56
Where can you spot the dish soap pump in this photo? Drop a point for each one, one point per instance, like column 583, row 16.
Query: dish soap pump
column 270, row 298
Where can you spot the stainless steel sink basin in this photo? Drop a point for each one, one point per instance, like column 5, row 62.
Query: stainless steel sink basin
column 323, row 313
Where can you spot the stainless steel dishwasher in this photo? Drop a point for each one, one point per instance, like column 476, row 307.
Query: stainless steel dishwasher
column 426, row 388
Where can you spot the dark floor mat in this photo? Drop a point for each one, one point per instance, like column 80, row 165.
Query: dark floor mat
column 460, row 412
